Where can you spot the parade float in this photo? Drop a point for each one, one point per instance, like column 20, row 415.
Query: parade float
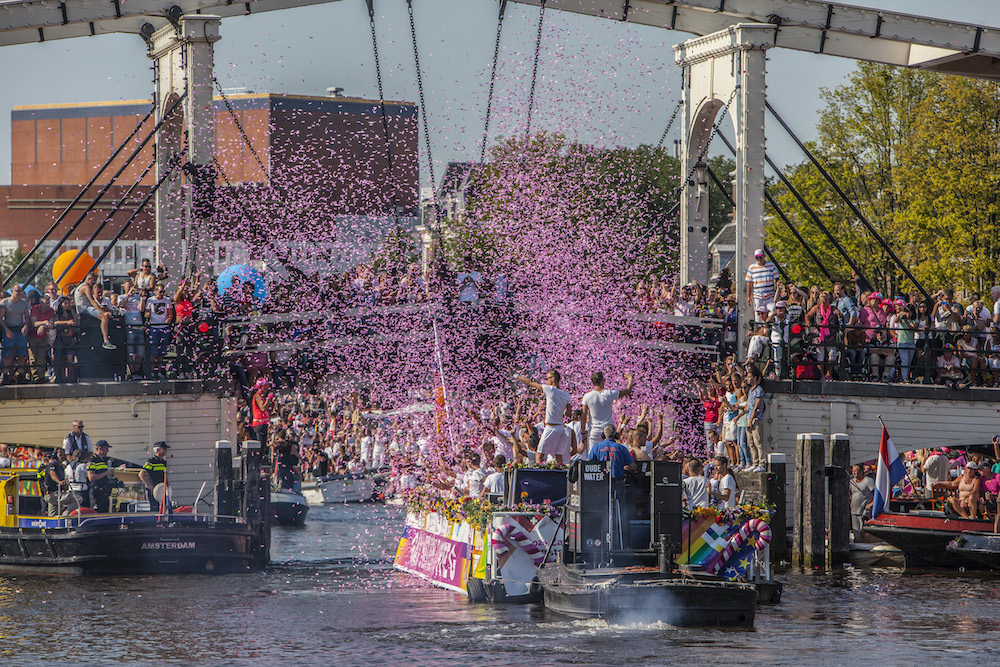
column 586, row 557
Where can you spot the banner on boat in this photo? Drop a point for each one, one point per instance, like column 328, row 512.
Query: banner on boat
column 439, row 550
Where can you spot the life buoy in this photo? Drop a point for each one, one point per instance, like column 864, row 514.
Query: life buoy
column 751, row 527
column 511, row 532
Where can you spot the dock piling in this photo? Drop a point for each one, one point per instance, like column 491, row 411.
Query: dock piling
column 777, row 478
column 839, row 513
column 224, row 500
column 809, row 521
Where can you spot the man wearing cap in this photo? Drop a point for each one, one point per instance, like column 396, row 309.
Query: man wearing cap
column 154, row 472
column 56, row 489
column 99, row 474
column 610, row 449
column 761, row 282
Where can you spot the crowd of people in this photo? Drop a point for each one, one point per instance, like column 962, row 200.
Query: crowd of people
column 848, row 330
column 967, row 483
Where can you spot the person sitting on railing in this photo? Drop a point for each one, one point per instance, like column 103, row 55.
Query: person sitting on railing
column 969, row 352
column 825, row 320
column 872, row 316
column 949, row 368
column 40, row 335
column 991, row 350
column 87, row 304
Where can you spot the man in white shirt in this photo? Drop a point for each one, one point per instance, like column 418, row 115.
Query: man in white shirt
column 494, row 483
column 598, row 407
column 476, row 475
column 553, row 439
column 696, row 486
column 937, row 469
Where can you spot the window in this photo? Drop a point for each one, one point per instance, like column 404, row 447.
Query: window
column 118, row 253
column 222, row 253
column 129, row 252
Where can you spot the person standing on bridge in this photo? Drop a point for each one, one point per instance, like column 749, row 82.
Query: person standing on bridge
column 761, row 283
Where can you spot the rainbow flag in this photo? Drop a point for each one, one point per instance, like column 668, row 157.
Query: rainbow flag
column 702, row 542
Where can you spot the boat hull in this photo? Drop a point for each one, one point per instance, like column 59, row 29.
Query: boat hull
column 115, row 547
column 288, row 508
column 983, row 548
column 621, row 597
column 923, row 537
column 347, row 490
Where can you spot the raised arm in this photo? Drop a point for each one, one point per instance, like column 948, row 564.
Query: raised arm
column 659, row 430
column 627, row 391
column 528, row 381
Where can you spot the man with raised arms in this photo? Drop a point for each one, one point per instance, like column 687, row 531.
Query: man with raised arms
column 597, row 407
column 554, row 439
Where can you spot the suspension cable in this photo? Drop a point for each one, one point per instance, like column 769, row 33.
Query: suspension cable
column 670, row 123
column 76, row 200
column 493, row 78
column 107, row 186
column 534, row 69
column 420, row 90
column 239, row 126
column 781, row 215
column 812, row 214
column 850, row 204
column 383, row 114
column 107, row 219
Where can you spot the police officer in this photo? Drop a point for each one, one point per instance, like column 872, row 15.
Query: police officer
column 99, row 474
column 55, row 487
column 154, row 472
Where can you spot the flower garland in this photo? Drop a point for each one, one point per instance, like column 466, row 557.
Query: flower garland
column 732, row 515
column 477, row 512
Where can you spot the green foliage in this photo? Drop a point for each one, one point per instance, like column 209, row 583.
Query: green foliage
column 10, row 260
column 917, row 153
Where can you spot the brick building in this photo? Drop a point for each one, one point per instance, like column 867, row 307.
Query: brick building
column 331, row 147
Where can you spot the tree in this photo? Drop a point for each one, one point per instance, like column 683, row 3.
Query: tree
column 10, row 260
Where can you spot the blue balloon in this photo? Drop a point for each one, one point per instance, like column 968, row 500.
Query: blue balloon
column 245, row 273
column 31, row 288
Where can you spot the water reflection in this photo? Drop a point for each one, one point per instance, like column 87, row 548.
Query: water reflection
column 333, row 598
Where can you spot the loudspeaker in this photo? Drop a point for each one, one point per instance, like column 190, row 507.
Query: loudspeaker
column 665, row 503
column 587, row 521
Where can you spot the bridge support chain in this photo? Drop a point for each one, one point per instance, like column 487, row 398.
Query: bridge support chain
column 185, row 57
column 809, row 520
column 725, row 65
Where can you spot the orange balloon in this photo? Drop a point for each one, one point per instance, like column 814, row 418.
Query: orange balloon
column 76, row 274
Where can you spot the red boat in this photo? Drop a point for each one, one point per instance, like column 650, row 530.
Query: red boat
column 923, row 536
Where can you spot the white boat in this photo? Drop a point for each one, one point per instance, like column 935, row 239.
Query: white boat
column 358, row 488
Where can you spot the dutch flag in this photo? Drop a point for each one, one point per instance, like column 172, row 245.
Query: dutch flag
column 889, row 473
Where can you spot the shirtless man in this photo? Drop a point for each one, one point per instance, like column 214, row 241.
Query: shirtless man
column 969, row 491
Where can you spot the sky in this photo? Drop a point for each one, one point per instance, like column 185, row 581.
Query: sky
column 599, row 81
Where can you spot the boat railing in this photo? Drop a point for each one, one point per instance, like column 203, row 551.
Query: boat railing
column 149, row 517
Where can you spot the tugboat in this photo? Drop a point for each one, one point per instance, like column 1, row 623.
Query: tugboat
column 617, row 562
column 235, row 538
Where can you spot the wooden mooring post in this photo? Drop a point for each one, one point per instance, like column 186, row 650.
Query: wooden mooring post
column 224, row 500
column 839, row 515
column 776, row 481
column 809, row 520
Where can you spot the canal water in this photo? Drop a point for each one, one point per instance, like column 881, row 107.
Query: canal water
column 332, row 597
